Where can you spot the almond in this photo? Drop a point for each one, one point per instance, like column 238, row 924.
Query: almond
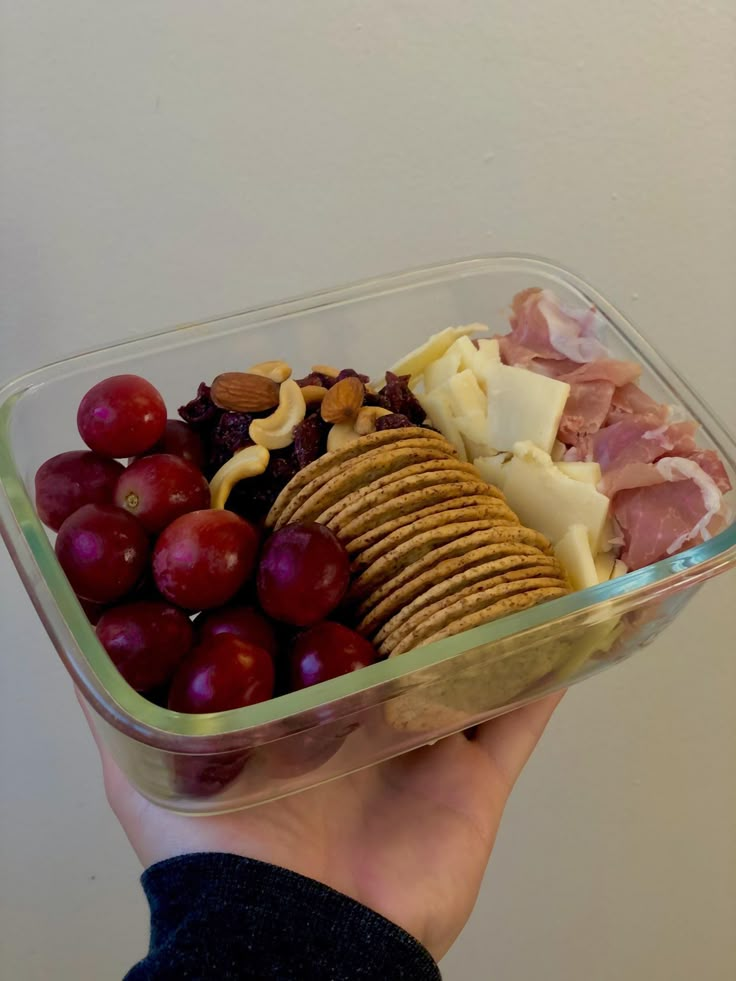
column 343, row 401
column 239, row 391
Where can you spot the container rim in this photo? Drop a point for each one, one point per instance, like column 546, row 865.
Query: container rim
column 126, row 710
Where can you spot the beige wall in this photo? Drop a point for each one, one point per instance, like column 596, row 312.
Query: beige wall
column 167, row 160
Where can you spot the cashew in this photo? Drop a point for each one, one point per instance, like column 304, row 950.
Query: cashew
column 325, row 369
column 340, row 435
column 313, row 394
column 277, row 430
column 366, row 421
column 250, row 462
column 277, row 371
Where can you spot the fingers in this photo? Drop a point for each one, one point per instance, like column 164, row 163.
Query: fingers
column 510, row 739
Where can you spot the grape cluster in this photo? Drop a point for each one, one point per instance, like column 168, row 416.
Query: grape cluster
column 193, row 608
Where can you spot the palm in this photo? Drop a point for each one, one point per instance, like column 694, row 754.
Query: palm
column 409, row 838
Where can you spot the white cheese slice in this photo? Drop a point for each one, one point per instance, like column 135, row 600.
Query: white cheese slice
column 558, row 450
column 547, row 500
column 492, row 468
column 415, row 362
column 466, row 394
column 437, row 406
column 607, row 567
column 523, row 406
column 588, row 473
column 439, row 372
column 573, row 551
column 477, row 359
column 488, row 349
column 473, row 426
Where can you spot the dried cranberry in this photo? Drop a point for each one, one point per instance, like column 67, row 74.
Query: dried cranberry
column 351, row 373
column 201, row 411
column 394, row 421
column 316, row 378
column 310, row 439
column 283, row 466
column 230, row 435
column 400, row 399
column 376, row 398
column 252, row 499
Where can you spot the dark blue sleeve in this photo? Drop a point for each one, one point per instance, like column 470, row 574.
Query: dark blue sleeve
column 218, row 917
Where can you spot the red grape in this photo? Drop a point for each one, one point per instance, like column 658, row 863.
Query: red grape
column 103, row 552
column 181, row 440
column 303, row 574
column 244, row 622
column 326, row 651
column 158, row 489
column 121, row 416
column 203, row 776
column 307, row 751
column 203, row 558
column 67, row 481
column 145, row 641
column 223, row 673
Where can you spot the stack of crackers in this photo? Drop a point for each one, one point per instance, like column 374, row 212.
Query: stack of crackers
column 435, row 549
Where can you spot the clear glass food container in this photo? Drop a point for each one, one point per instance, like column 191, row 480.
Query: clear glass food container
column 218, row 762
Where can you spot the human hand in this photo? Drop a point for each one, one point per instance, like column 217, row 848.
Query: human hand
column 409, row 838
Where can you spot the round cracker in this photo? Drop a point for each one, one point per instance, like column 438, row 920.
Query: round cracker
column 334, row 458
column 438, row 520
column 359, row 470
column 502, row 608
column 371, row 471
column 380, row 527
column 446, row 561
column 507, row 568
column 435, row 542
column 432, row 487
column 436, row 615
column 415, row 548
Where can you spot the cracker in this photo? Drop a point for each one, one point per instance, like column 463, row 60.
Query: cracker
column 382, row 526
column 328, row 461
column 452, row 539
column 365, row 472
column 430, row 487
column 408, row 531
column 507, row 568
column 445, row 562
column 479, row 617
column 479, row 595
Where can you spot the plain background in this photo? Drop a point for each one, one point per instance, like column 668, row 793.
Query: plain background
column 166, row 160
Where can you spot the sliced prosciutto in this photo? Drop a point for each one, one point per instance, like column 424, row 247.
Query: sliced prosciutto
column 619, row 446
column 629, row 401
column 666, row 494
column 540, row 323
column 561, row 343
column 679, row 506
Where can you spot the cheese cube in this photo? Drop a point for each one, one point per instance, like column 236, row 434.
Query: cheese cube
column 523, row 406
column 573, row 551
column 588, row 473
column 546, row 499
